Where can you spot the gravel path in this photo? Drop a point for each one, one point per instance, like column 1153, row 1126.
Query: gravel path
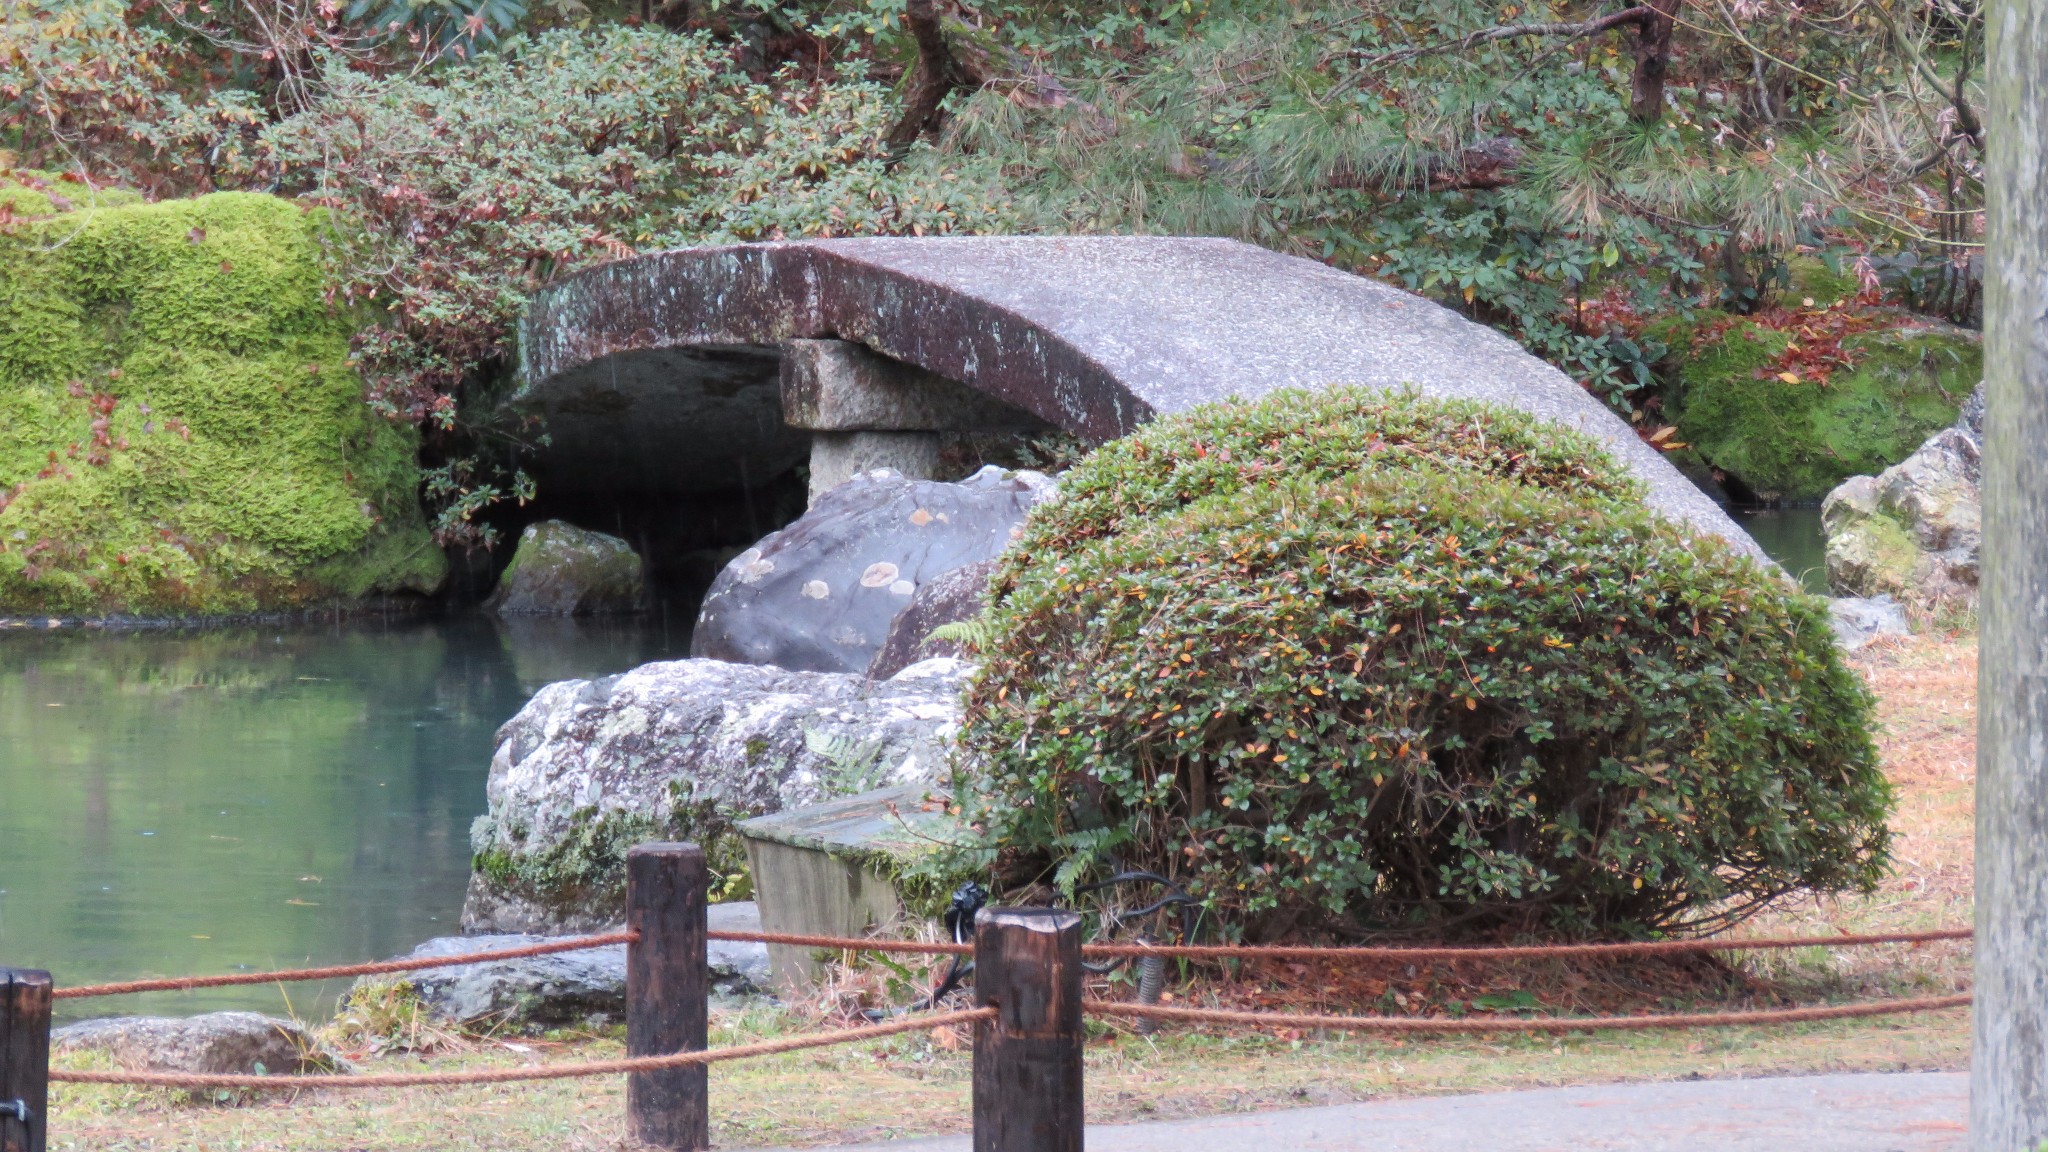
column 1866, row 1112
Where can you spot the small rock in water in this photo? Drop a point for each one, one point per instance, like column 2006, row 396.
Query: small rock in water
column 562, row 570
column 218, row 1043
column 585, row 987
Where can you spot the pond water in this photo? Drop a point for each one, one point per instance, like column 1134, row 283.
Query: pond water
column 1792, row 537
column 176, row 802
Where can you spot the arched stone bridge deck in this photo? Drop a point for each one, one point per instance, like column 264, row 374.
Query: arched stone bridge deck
column 1094, row 334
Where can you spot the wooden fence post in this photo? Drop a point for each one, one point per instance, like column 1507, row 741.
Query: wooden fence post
column 1027, row 1061
column 666, row 986
column 24, row 1059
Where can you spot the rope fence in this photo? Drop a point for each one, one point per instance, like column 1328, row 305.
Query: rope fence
column 1027, row 1024
column 531, row 1072
column 1097, row 951
column 1467, row 1024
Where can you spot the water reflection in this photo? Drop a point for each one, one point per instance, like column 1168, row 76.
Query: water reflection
column 1792, row 537
column 181, row 802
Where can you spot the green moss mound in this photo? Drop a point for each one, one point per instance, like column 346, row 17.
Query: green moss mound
column 1796, row 441
column 1460, row 692
column 180, row 429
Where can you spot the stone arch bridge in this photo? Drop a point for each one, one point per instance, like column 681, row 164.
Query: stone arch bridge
column 680, row 370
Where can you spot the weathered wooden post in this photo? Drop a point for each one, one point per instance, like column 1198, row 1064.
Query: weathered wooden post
column 24, row 1059
column 1027, row 1061
column 2009, row 1057
column 666, row 986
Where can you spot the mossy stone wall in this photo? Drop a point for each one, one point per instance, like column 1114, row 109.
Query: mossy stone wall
column 1786, row 440
column 180, row 429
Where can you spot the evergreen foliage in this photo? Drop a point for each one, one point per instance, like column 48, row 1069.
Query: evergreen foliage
column 1385, row 663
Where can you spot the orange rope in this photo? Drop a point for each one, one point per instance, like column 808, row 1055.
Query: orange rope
column 536, row 1072
column 1437, row 1024
column 378, row 968
column 1517, row 952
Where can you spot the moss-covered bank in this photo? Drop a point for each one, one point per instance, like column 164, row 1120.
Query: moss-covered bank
column 1795, row 439
column 180, row 429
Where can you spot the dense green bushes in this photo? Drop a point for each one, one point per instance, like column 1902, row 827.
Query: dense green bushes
column 1392, row 663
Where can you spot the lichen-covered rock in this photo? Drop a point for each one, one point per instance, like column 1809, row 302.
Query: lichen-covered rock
column 1858, row 621
column 1913, row 530
column 948, row 598
column 561, row 989
column 220, row 1043
column 562, row 570
column 679, row 751
column 819, row 595
column 180, row 429
column 1796, row 439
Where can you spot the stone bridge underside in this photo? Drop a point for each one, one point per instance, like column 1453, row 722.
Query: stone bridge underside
column 661, row 371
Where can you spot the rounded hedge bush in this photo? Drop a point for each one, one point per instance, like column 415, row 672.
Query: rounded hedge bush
column 1362, row 662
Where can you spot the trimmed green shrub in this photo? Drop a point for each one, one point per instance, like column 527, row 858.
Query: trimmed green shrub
column 1391, row 663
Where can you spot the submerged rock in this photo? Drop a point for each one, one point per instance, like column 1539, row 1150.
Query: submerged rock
column 679, row 751
column 1912, row 531
column 246, row 1043
column 563, row 570
column 819, row 595
column 586, row 987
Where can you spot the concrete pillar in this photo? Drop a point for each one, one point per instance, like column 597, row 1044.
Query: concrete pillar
column 837, row 457
column 866, row 411
column 2009, row 1052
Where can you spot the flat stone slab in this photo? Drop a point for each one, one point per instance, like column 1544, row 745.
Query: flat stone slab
column 1095, row 334
column 1867, row 1112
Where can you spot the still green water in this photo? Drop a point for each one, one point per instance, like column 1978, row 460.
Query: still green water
column 1792, row 537
column 180, row 802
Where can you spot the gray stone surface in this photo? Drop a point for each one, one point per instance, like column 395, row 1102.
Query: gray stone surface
column 840, row 457
column 1094, row 334
column 1913, row 530
column 247, row 1043
column 1867, row 1112
column 840, row 386
column 567, row 988
column 680, row 750
column 948, row 598
column 820, row 594
column 1858, row 621
column 562, row 570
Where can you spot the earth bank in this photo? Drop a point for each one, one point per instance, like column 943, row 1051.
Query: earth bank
column 181, row 431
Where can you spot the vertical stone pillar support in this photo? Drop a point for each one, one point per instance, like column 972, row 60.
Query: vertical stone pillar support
column 2009, row 1057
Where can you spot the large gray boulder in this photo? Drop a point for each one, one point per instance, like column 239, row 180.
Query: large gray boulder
column 1913, row 531
column 819, row 595
column 948, row 598
column 562, row 570
column 219, row 1043
column 585, row 987
column 679, row 751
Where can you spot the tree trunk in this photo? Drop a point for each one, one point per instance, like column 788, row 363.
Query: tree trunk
column 2009, row 1057
column 1652, row 46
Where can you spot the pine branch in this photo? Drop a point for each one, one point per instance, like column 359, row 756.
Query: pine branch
column 1637, row 16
